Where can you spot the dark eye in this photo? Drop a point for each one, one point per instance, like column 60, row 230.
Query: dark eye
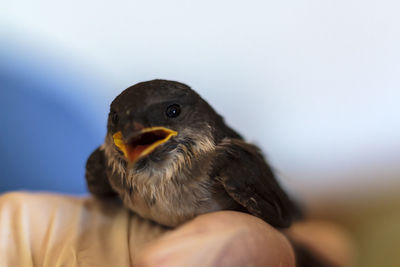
column 173, row 111
column 114, row 118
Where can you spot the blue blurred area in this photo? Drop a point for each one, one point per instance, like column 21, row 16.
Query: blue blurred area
column 46, row 133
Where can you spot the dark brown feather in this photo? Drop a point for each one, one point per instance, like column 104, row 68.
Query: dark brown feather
column 248, row 179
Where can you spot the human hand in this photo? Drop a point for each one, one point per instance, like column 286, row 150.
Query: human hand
column 225, row 238
column 228, row 238
column 52, row 230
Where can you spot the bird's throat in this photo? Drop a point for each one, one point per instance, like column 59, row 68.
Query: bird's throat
column 143, row 143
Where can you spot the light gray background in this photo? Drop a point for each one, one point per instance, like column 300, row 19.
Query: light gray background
column 315, row 83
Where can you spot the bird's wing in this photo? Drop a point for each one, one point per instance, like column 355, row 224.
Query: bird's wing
column 248, row 179
column 96, row 176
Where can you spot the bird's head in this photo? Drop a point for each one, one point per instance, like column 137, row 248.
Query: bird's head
column 152, row 119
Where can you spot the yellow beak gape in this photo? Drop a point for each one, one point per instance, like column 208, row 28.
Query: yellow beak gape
column 142, row 145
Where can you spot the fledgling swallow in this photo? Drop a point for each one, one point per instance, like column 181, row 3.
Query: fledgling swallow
column 170, row 157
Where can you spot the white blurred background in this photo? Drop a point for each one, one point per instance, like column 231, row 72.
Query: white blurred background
column 315, row 83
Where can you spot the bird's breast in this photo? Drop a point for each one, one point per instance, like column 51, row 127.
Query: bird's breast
column 172, row 203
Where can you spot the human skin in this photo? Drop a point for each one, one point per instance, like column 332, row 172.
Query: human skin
column 230, row 238
column 49, row 229
column 220, row 239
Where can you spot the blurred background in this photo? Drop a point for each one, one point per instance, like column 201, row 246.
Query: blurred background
column 315, row 84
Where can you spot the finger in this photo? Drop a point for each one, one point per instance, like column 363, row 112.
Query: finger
column 325, row 239
column 223, row 238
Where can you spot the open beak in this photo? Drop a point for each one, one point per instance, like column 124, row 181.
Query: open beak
column 143, row 143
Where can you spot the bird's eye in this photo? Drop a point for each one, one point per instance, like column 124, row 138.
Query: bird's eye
column 114, row 118
column 173, row 111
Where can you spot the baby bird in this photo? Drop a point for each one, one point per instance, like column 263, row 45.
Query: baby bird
column 170, row 157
